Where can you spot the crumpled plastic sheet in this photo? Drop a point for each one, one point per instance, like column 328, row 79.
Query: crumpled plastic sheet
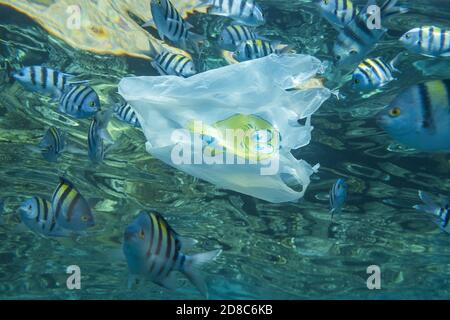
column 266, row 96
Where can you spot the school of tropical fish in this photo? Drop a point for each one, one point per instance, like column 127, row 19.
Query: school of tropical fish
column 417, row 118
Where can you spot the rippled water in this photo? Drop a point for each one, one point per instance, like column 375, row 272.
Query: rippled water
column 271, row 251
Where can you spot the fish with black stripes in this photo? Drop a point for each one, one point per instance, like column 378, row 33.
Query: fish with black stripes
column 71, row 209
column 232, row 36
column 246, row 12
column 171, row 25
column 338, row 196
column 52, row 144
column 125, row 113
column 36, row 213
column 79, row 101
column 173, row 64
column 337, row 12
column 153, row 250
column 439, row 210
column 419, row 117
column 359, row 37
column 429, row 41
column 43, row 80
column 255, row 49
column 97, row 134
column 373, row 74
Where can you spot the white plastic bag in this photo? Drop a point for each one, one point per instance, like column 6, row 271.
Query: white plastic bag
column 189, row 123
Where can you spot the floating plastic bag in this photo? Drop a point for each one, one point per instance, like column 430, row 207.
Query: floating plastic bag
column 234, row 126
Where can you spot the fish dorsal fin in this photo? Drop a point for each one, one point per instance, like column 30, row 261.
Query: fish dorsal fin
column 64, row 180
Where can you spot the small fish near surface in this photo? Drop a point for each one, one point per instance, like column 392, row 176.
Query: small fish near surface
column 356, row 39
column 43, row 80
column 246, row 12
column 373, row 74
column 232, row 36
column 170, row 24
column 419, row 117
column 338, row 12
column 173, row 64
column 428, row 41
column 79, row 101
column 71, row 209
column 97, row 134
column 125, row 113
column 439, row 211
column 154, row 250
column 338, row 196
column 255, row 49
column 37, row 214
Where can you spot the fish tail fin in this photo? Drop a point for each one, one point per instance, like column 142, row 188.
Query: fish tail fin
column 282, row 50
column 190, row 269
column 429, row 205
column 394, row 62
column 389, row 8
column 154, row 51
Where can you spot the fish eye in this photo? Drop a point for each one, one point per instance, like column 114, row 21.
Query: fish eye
column 338, row 57
column 353, row 51
column 356, row 81
column 395, row 112
column 408, row 36
column 92, row 104
column 21, row 74
column 84, row 218
column 30, row 207
column 142, row 234
column 325, row 2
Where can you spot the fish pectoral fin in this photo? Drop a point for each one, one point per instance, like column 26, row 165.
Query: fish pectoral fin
column 169, row 282
column 445, row 54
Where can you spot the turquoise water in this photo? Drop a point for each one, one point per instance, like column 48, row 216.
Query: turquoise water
column 270, row 251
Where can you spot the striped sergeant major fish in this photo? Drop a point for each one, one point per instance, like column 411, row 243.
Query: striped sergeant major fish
column 37, row 214
column 125, row 113
column 43, row 80
column 428, row 41
column 52, row 144
column 246, row 12
column 170, row 24
column 71, row 210
column 338, row 12
column 439, row 210
column 79, row 101
column 255, row 49
column 154, row 250
column 97, row 134
column 232, row 36
column 173, row 64
column 419, row 117
column 373, row 74
column 356, row 40
column 338, row 196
